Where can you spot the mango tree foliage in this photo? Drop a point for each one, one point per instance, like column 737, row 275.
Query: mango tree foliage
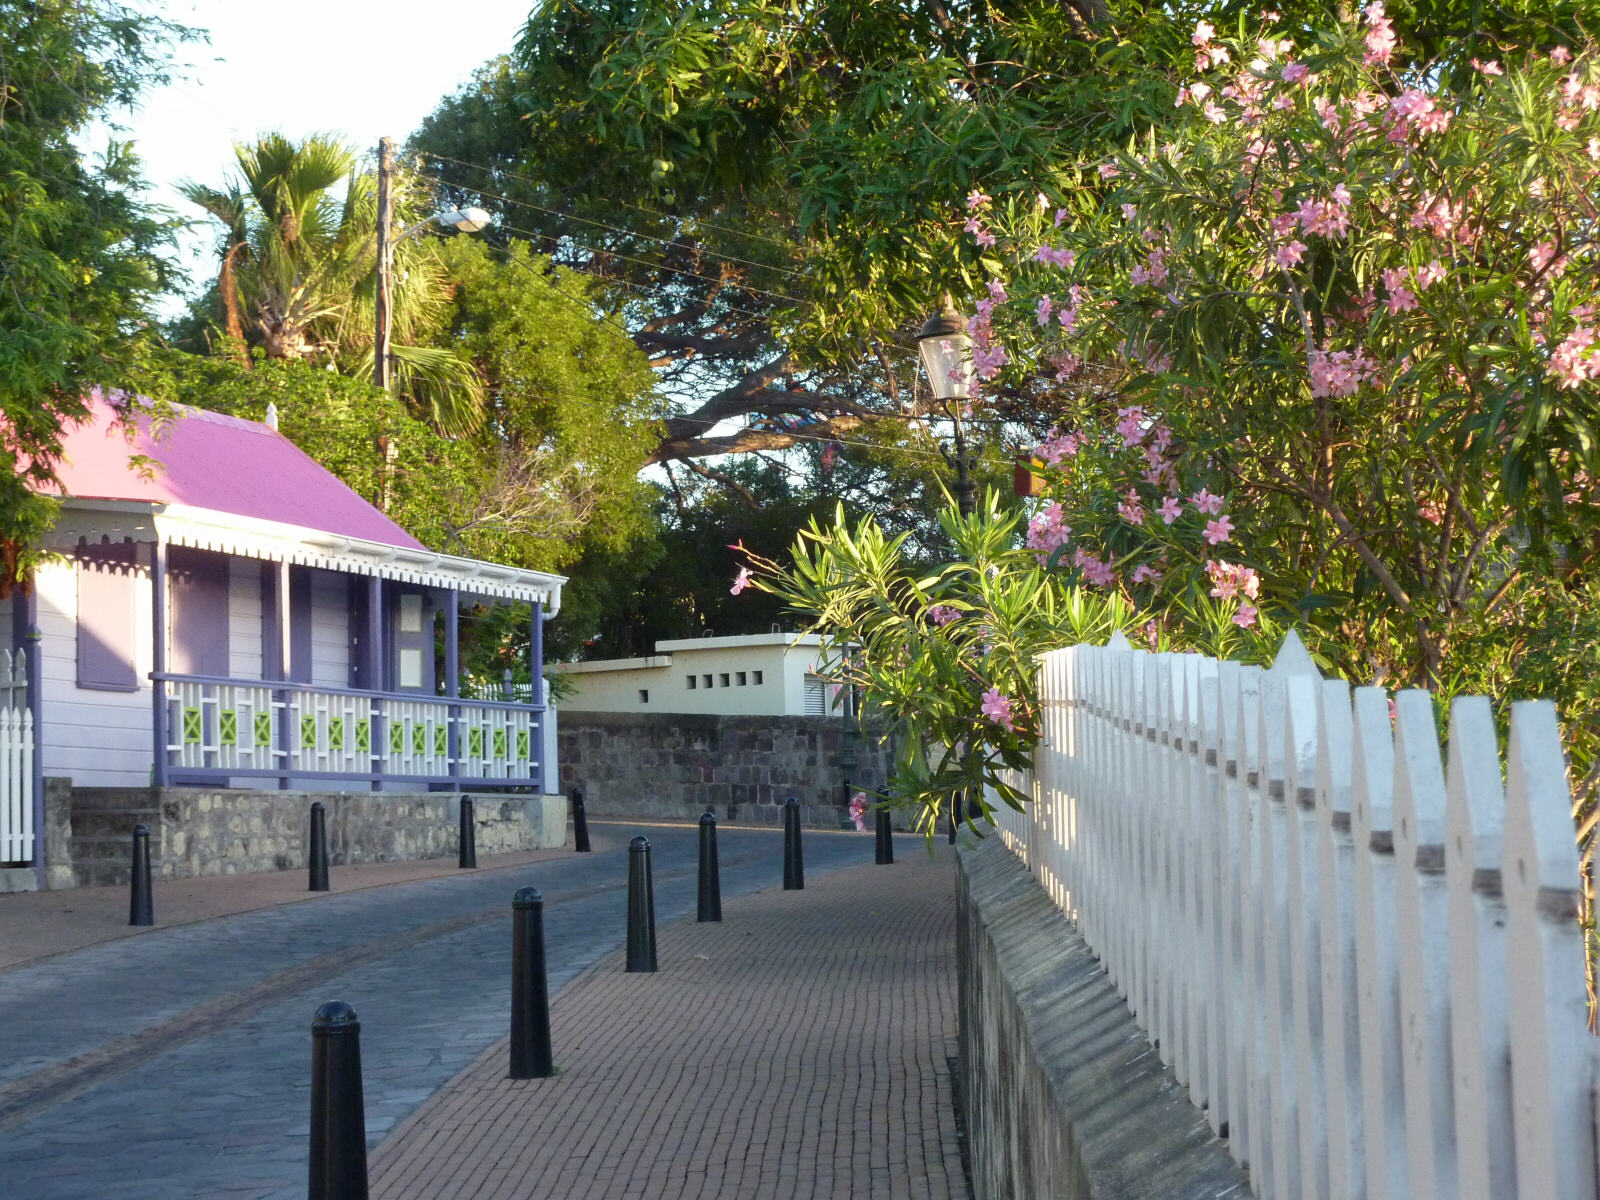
column 79, row 252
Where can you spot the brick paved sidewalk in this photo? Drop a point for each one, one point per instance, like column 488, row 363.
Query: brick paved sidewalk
column 798, row 1049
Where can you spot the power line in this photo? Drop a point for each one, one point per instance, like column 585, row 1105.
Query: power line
column 662, row 267
column 634, row 233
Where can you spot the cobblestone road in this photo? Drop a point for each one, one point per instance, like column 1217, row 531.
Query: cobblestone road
column 176, row 1064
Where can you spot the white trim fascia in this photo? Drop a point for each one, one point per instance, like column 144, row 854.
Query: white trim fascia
column 275, row 541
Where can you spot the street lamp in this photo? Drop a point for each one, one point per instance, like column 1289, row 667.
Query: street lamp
column 946, row 352
column 466, row 220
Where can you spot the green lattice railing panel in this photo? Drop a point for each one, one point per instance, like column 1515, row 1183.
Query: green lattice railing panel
column 523, row 741
column 335, row 733
column 475, row 743
column 363, row 735
column 308, row 733
column 228, row 727
column 192, row 724
column 499, row 743
column 263, row 724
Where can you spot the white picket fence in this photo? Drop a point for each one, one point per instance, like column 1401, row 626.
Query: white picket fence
column 1364, row 963
column 16, row 761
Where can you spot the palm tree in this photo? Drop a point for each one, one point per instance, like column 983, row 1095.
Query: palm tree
column 297, row 274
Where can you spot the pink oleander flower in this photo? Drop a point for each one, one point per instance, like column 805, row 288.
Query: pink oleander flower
column 1401, row 298
column 1430, row 512
column 1290, row 255
column 1429, row 275
column 1048, row 532
column 997, row 291
column 1171, row 509
column 997, row 707
column 1043, row 309
column 1561, row 55
column 1130, row 212
column 858, row 811
column 1341, row 372
column 1109, row 171
column 1207, row 503
column 1054, row 257
column 1294, row 72
column 985, row 239
column 1131, row 508
column 1246, row 616
column 1204, row 31
column 1572, row 363
column 1381, row 39
column 1232, row 579
column 1214, row 112
column 1130, row 424
column 1487, row 68
column 1061, row 215
column 741, row 581
column 976, row 200
column 1145, row 573
column 1217, row 531
column 943, row 614
column 1057, row 447
column 1096, row 571
column 1541, row 256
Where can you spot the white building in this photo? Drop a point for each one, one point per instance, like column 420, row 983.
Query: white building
column 764, row 674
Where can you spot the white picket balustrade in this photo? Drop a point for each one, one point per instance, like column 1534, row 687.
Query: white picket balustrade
column 1362, row 961
column 17, row 830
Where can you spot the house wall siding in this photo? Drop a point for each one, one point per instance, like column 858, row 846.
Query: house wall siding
column 244, row 618
column 330, row 629
column 98, row 739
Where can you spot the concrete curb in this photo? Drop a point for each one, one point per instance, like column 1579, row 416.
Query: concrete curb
column 1063, row 1096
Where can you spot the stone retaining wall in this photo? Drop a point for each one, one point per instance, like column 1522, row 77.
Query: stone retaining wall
column 677, row 766
column 1064, row 1098
column 223, row 831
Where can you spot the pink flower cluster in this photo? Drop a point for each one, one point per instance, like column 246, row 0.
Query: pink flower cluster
column 1330, row 218
column 1152, row 271
column 858, row 811
column 1206, row 53
column 1341, row 372
column 1096, row 571
column 1413, row 112
column 741, row 581
column 997, row 708
column 1048, row 532
column 1055, row 257
column 988, row 355
column 1230, row 580
column 1057, row 447
column 942, row 614
column 1381, row 39
column 1574, row 361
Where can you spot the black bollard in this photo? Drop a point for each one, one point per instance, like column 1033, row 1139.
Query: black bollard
column 317, row 854
column 141, row 909
column 469, row 835
column 794, row 865
column 580, row 823
column 884, row 852
column 530, row 991
column 338, row 1114
column 710, row 879
column 641, row 908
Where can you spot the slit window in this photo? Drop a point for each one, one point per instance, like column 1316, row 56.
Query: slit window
column 692, row 681
column 724, row 679
column 707, row 678
column 757, row 677
column 644, row 695
column 739, row 678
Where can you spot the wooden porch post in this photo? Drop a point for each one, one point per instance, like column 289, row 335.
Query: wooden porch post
column 536, row 690
column 376, row 676
column 158, row 661
column 452, row 675
column 283, row 649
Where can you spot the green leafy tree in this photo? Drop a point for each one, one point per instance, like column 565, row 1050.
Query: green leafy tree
column 80, row 254
column 298, row 272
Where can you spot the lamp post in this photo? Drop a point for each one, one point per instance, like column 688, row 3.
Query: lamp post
column 466, row 220
column 946, row 352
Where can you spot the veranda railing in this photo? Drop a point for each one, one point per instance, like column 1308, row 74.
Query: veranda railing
column 16, row 761
column 1362, row 960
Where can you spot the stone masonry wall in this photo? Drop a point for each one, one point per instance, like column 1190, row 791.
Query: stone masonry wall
column 1064, row 1099
column 221, row 831
column 742, row 768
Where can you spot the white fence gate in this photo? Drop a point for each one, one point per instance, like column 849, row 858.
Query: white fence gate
column 16, row 762
column 1363, row 962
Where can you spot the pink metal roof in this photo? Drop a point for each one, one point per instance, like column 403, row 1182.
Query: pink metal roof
column 222, row 463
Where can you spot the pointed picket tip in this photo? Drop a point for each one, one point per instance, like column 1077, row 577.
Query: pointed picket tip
column 1293, row 657
column 1475, row 800
column 1419, row 772
column 1119, row 641
column 1538, row 803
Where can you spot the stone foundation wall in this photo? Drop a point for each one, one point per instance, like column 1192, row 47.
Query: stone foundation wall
column 225, row 831
column 1064, row 1098
column 743, row 769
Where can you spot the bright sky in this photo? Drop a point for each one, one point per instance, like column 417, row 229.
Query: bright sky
column 363, row 69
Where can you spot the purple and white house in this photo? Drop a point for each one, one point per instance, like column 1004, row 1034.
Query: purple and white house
column 238, row 617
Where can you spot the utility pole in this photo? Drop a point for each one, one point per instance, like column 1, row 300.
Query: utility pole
column 381, row 357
